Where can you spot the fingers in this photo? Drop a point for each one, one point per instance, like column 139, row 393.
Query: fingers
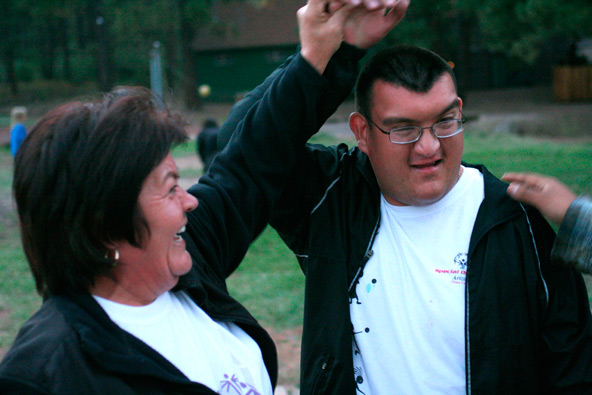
column 550, row 196
column 397, row 12
column 315, row 7
column 323, row 23
column 532, row 180
column 375, row 4
column 400, row 7
column 333, row 6
column 526, row 186
column 321, row 32
column 523, row 192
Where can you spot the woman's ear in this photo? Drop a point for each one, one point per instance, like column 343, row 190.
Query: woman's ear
column 359, row 126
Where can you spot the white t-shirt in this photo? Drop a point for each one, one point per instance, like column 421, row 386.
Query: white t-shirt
column 218, row 355
column 408, row 315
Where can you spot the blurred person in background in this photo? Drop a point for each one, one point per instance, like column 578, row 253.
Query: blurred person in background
column 207, row 142
column 18, row 131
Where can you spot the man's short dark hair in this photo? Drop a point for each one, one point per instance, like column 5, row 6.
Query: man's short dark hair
column 77, row 179
column 413, row 68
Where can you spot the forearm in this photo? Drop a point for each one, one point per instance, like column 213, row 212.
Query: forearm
column 289, row 112
column 238, row 193
column 573, row 245
column 340, row 73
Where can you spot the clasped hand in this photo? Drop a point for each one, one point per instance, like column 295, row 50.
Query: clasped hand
column 324, row 24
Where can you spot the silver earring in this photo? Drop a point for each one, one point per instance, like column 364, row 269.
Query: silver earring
column 116, row 257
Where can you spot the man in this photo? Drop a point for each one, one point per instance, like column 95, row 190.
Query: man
column 207, row 142
column 422, row 276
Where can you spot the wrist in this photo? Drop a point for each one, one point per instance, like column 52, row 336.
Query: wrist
column 316, row 59
column 350, row 52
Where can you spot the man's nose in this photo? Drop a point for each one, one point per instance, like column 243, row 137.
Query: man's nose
column 428, row 143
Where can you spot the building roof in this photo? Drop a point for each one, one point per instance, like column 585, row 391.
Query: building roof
column 240, row 24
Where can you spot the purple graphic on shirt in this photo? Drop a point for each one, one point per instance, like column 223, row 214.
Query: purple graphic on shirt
column 233, row 386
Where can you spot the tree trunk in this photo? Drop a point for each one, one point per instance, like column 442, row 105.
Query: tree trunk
column 48, row 48
column 171, row 50
column 465, row 40
column 64, row 43
column 105, row 72
column 10, row 70
column 435, row 21
column 189, row 81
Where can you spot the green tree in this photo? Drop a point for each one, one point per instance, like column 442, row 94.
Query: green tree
column 138, row 24
column 521, row 27
column 516, row 27
column 12, row 35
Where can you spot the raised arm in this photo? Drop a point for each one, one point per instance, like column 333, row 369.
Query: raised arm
column 237, row 194
column 366, row 24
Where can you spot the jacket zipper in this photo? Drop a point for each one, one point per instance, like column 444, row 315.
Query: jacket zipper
column 367, row 256
column 467, row 336
column 322, row 374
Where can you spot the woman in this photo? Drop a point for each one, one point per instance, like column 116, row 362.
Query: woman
column 101, row 216
column 106, row 230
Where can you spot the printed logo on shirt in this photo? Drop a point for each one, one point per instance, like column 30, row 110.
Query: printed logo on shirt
column 232, row 385
column 457, row 276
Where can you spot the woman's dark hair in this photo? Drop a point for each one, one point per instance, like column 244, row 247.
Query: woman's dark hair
column 413, row 68
column 77, row 179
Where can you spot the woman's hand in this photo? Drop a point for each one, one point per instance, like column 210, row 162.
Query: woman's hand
column 321, row 25
column 324, row 24
column 367, row 25
column 550, row 196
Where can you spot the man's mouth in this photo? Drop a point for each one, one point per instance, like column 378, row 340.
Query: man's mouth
column 427, row 165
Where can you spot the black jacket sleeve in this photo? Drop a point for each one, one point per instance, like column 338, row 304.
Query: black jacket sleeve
column 237, row 194
column 340, row 73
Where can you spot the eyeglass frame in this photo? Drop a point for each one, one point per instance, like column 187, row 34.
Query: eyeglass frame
column 460, row 121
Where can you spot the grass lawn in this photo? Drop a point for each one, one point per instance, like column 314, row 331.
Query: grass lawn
column 18, row 298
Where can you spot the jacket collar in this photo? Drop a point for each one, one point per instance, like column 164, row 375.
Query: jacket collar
column 365, row 167
column 497, row 207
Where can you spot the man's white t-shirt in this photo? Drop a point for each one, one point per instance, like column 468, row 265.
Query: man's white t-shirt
column 218, row 355
column 408, row 314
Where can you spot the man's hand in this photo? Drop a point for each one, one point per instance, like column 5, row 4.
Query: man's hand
column 321, row 24
column 367, row 24
column 551, row 197
column 324, row 24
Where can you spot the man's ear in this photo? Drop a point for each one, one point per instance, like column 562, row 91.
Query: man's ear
column 359, row 126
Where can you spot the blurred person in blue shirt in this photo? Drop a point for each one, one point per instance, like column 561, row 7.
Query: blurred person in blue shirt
column 18, row 132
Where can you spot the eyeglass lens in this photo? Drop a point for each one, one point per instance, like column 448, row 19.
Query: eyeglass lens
column 412, row 133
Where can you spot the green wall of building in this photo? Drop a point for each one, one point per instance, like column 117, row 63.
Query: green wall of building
column 232, row 73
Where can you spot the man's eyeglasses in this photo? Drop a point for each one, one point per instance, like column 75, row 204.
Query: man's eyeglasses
column 410, row 134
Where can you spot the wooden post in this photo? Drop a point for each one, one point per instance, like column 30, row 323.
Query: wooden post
column 572, row 83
